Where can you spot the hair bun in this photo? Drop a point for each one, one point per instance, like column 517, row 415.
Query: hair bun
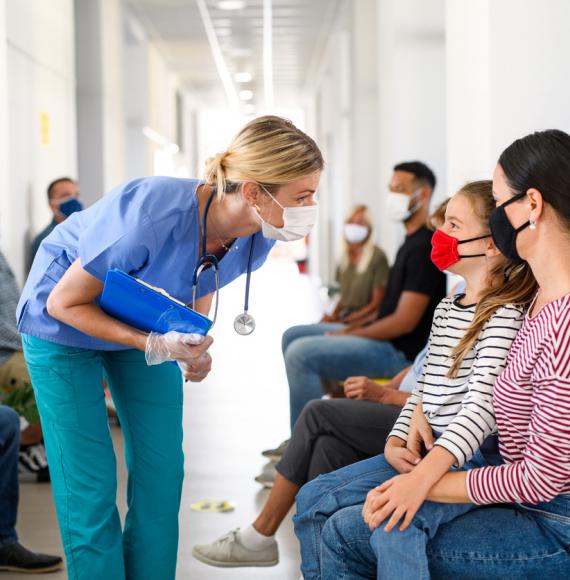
column 215, row 167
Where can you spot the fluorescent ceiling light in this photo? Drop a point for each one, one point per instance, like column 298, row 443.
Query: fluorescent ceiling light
column 246, row 95
column 249, row 109
column 243, row 77
column 231, row 4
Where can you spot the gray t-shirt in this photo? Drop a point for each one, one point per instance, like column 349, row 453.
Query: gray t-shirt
column 10, row 341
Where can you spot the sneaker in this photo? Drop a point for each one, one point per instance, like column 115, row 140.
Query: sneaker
column 32, row 464
column 229, row 552
column 267, row 477
column 16, row 558
column 277, row 453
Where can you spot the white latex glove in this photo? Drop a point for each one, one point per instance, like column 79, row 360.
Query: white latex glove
column 198, row 370
column 189, row 349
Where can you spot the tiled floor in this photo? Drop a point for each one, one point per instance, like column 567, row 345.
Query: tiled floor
column 239, row 410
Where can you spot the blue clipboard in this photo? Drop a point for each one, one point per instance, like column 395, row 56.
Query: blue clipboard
column 137, row 304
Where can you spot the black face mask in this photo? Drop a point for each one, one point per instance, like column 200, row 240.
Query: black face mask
column 503, row 232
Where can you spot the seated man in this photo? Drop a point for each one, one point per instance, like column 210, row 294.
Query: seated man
column 13, row 556
column 63, row 200
column 329, row 434
column 15, row 384
column 387, row 342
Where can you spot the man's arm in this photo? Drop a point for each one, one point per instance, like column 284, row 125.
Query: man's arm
column 411, row 308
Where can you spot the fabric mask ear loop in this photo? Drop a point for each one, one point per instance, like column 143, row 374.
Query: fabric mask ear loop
column 473, row 240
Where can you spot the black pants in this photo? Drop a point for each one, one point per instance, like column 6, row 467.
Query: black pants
column 332, row 433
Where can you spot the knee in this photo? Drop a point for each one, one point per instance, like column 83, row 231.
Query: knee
column 299, row 353
column 288, row 337
column 312, row 413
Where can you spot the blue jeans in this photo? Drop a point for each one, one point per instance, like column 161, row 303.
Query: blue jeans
column 499, row 541
column 9, row 449
column 68, row 383
column 309, row 355
column 321, row 502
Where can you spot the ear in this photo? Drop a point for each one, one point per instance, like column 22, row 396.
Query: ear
column 491, row 250
column 251, row 192
column 536, row 203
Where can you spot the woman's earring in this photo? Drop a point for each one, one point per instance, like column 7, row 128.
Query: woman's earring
column 532, row 225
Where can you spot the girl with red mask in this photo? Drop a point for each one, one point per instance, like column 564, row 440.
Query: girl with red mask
column 467, row 350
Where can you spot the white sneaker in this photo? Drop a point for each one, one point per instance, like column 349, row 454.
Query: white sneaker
column 267, row 477
column 229, row 552
column 277, row 453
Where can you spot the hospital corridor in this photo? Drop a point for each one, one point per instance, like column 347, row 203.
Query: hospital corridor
column 284, row 289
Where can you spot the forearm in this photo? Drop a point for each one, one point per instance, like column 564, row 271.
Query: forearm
column 396, row 398
column 434, row 466
column 385, row 329
column 91, row 320
column 451, row 488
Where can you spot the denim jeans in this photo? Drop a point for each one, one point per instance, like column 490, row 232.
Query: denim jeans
column 9, row 448
column 309, row 355
column 321, row 506
column 499, row 541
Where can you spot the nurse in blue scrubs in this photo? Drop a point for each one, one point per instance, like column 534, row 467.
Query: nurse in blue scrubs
column 260, row 189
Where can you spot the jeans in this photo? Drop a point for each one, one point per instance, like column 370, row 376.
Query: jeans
column 69, row 391
column 490, row 542
column 309, row 355
column 321, row 506
column 9, row 449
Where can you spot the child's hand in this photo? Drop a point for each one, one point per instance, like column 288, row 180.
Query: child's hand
column 398, row 498
column 401, row 459
column 420, row 433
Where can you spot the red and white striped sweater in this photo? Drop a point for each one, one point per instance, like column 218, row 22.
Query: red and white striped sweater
column 532, row 408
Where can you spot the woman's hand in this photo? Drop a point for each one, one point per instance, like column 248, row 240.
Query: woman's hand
column 188, row 349
column 363, row 389
column 398, row 498
column 420, row 433
column 399, row 457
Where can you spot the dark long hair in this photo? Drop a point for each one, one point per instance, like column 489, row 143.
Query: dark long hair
column 541, row 161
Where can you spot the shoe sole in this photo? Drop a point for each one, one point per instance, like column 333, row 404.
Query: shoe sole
column 43, row 570
column 265, row 484
column 273, row 456
column 206, row 560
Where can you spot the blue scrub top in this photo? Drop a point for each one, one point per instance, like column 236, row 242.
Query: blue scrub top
column 149, row 228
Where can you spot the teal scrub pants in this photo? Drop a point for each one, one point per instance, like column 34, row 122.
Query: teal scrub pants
column 69, row 390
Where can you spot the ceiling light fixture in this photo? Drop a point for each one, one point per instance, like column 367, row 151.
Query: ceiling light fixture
column 268, row 54
column 243, row 77
column 246, row 95
column 231, row 5
column 218, row 55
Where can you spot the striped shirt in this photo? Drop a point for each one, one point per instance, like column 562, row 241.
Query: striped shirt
column 461, row 408
column 532, row 406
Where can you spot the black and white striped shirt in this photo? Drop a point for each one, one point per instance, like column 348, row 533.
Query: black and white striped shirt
column 461, row 409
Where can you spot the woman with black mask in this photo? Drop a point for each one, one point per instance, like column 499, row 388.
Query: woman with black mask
column 524, row 532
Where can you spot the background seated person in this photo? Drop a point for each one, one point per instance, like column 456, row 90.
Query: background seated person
column 363, row 271
column 387, row 345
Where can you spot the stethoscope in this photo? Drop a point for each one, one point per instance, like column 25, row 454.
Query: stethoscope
column 244, row 323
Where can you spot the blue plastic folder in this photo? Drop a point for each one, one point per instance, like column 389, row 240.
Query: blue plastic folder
column 139, row 305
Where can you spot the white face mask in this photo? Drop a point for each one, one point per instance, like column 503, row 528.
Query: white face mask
column 297, row 222
column 355, row 233
column 400, row 206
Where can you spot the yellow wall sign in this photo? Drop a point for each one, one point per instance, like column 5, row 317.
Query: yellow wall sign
column 44, row 128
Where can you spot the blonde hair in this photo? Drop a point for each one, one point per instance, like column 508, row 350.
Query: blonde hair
column 367, row 248
column 269, row 150
column 509, row 282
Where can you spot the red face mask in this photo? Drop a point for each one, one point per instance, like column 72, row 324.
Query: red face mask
column 444, row 250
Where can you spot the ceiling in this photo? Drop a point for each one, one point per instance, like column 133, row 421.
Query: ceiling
column 300, row 29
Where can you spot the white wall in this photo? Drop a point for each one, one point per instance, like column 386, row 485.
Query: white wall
column 512, row 80
column 411, row 77
column 40, row 80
